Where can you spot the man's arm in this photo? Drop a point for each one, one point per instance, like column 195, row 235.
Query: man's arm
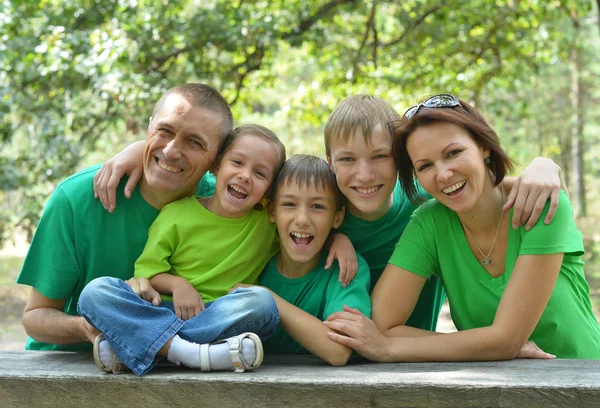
column 45, row 321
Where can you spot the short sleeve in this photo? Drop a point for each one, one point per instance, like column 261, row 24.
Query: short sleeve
column 161, row 244
column 416, row 249
column 560, row 236
column 355, row 295
column 51, row 264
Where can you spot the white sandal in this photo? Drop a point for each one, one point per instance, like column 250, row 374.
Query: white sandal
column 116, row 366
column 235, row 352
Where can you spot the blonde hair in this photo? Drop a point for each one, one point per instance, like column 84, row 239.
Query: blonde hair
column 357, row 112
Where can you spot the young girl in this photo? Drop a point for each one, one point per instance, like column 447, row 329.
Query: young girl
column 504, row 286
column 197, row 249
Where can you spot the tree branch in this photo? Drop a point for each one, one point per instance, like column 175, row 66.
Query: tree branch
column 414, row 25
column 305, row 25
column 252, row 63
column 368, row 28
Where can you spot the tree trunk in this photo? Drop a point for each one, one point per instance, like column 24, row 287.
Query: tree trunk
column 577, row 127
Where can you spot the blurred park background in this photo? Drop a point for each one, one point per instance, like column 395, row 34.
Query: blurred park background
column 78, row 79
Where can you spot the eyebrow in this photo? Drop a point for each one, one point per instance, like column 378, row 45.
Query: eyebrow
column 314, row 198
column 444, row 150
column 198, row 136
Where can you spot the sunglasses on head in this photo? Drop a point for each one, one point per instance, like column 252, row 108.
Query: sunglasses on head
column 436, row 101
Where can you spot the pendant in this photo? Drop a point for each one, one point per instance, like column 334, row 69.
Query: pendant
column 486, row 261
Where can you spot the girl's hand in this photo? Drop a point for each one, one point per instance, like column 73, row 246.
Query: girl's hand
column 129, row 161
column 341, row 248
column 355, row 330
column 187, row 302
column 143, row 288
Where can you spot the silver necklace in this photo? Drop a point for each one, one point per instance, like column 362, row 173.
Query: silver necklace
column 486, row 261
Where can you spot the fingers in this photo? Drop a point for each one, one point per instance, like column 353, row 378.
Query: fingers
column 96, row 179
column 345, row 340
column 351, row 269
column 510, row 200
column 135, row 286
column 554, row 198
column 134, row 178
column 536, row 211
column 330, row 259
column 353, row 311
column 343, row 272
column 342, row 316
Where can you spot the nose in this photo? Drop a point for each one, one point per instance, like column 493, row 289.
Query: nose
column 365, row 171
column 172, row 150
column 444, row 173
column 302, row 216
column 244, row 174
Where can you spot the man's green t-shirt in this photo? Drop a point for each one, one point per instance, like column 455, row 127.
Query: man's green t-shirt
column 319, row 293
column 376, row 240
column 77, row 240
column 434, row 244
column 211, row 252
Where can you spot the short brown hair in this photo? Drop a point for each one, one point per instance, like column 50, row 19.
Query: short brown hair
column 464, row 116
column 358, row 111
column 307, row 170
column 257, row 130
column 202, row 96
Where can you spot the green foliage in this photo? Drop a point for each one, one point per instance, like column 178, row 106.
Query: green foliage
column 78, row 77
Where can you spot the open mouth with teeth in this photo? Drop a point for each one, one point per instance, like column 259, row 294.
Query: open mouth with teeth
column 237, row 192
column 455, row 188
column 301, row 239
column 367, row 190
column 167, row 167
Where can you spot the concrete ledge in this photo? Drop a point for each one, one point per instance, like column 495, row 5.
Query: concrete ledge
column 57, row 379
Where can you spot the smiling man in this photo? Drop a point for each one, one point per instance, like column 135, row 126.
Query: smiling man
column 77, row 240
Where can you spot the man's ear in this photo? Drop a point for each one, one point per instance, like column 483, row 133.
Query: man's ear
column 339, row 217
column 330, row 164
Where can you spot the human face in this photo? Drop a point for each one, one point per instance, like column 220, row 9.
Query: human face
column 366, row 173
column 449, row 164
column 181, row 146
column 304, row 216
column 244, row 175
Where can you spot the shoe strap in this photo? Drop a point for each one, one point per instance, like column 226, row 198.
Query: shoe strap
column 204, row 357
column 235, row 352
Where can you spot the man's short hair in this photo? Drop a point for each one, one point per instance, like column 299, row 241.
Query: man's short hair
column 357, row 112
column 307, row 170
column 202, row 96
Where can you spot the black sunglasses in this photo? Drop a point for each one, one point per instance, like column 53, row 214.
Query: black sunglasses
column 436, row 101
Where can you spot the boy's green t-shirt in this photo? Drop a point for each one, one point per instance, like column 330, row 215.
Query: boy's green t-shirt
column 211, row 252
column 77, row 240
column 319, row 293
column 376, row 241
column 567, row 328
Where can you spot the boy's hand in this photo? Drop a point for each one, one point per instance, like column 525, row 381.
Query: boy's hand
column 187, row 302
column 342, row 249
column 353, row 329
column 143, row 288
column 107, row 179
column 539, row 182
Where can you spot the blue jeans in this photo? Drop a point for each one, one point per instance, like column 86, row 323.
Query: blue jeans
column 137, row 330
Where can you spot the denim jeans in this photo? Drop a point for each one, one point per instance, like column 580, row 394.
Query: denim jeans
column 137, row 330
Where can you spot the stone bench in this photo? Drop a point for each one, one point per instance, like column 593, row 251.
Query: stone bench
column 58, row 379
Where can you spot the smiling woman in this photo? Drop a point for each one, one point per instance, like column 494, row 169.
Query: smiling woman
column 529, row 286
